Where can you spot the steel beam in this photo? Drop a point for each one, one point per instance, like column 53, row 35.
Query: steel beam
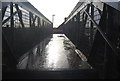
column 9, row 18
column 91, row 28
column 86, row 17
column 3, row 12
column 103, row 35
column 38, row 22
column 11, row 14
column 20, row 15
column 34, row 19
column 30, row 19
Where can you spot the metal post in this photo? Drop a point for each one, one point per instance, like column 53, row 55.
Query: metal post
column 30, row 22
column 34, row 20
column 85, row 16
column 11, row 13
column 38, row 22
column 91, row 28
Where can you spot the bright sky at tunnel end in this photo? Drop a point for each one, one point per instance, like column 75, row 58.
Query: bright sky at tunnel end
column 61, row 9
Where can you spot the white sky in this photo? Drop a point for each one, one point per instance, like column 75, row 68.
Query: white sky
column 61, row 9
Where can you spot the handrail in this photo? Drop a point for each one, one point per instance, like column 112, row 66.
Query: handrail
column 75, row 11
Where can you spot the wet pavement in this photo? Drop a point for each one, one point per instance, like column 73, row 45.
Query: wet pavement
column 56, row 52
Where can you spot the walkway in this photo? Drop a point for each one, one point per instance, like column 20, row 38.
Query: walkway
column 56, row 52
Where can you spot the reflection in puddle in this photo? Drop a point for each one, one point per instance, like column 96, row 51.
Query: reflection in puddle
column 55, row 52
column 56, row 57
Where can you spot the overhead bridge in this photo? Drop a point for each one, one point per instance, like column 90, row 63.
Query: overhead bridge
column 85, row 46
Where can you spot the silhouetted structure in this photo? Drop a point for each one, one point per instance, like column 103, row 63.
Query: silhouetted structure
column 95, row 29
column 23, row 27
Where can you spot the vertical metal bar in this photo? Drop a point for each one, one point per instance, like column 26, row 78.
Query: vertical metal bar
column 34, row 19
column 106, row 46
column 12, row 26
column 12, row 31
column 11, row 13
column 87, row 10
column 42, row 23
column 30, row 22
column 105, row 49
column 38, row 22
column 91, row 28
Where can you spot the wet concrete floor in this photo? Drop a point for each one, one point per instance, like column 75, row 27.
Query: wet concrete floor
column 56, row 52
